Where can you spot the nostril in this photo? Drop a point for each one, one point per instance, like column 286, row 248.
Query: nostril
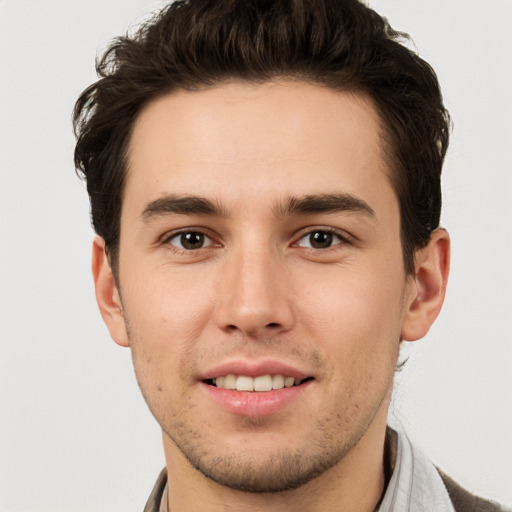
column 253, row 329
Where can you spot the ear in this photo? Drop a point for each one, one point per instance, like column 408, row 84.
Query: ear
column 107, row 294
column 427, row 287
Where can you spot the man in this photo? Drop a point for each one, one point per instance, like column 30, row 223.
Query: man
column 264, row 181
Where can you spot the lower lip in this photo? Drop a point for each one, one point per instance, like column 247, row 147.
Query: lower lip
column 254, row 404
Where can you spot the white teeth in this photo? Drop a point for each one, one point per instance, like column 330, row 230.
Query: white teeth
column 277, row 382
column 261, row 383
column 244, row 383
column 229, row 381
column 289, row 382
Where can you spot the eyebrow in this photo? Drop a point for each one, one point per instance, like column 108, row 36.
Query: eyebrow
column 301, row 205
column 184, row 205
column 323, row 203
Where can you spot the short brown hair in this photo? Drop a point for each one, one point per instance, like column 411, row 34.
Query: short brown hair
column 341, row 44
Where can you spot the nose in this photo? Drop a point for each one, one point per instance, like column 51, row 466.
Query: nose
column 254, row 296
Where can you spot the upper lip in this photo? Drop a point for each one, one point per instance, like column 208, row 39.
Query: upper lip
column 253, row 369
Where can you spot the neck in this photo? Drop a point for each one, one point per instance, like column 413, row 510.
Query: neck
column 354, row 484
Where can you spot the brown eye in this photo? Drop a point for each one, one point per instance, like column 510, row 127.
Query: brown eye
column 190, row 240
column 320, row 239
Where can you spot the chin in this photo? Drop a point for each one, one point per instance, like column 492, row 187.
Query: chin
column 267, row 470
column 282, row 472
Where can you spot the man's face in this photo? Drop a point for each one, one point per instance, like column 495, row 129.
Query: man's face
column 260, row 237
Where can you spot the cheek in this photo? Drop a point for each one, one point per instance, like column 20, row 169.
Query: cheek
column 366, row 299
column 165, row 318
column 357, row 315
column 165, row 307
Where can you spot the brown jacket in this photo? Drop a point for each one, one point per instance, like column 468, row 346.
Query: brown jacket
column 463, row 501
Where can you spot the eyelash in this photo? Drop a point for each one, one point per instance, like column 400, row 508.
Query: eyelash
column 342, row 239
column 177, row 235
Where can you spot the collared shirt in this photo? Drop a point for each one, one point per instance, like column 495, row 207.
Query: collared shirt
column 415, row 484
column 163, row 503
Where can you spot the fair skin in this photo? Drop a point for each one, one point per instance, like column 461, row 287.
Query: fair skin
column 260, row 236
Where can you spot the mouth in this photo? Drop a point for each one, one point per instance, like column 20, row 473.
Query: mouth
column 255, row 389
column 259, row 384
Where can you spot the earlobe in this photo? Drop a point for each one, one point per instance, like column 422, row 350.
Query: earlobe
column 107, row 295
column 427, row 288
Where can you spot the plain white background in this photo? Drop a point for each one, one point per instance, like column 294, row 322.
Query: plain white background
column 74, row 431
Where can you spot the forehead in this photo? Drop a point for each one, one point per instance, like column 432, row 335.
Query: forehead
column 288, row 138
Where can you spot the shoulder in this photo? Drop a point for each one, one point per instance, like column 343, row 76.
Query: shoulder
column 464, row 501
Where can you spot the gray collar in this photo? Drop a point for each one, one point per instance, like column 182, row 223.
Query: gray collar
column 415, row 483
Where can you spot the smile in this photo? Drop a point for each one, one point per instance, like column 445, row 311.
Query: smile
column 260, row 383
